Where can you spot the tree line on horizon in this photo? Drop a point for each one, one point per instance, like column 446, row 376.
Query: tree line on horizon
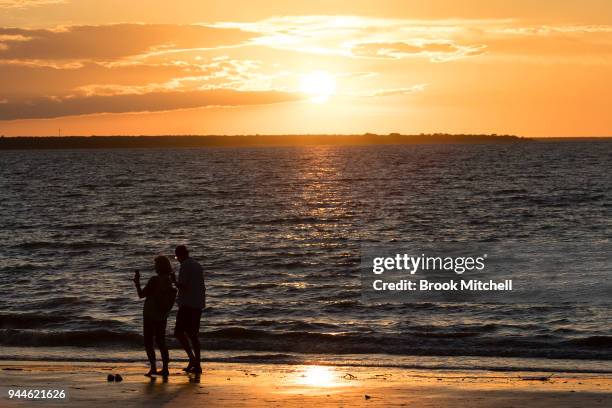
column 94, row 141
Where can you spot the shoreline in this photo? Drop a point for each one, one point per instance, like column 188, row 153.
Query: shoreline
column 244, row 384
column 76, row 355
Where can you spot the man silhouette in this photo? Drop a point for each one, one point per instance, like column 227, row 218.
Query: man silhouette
column 191, row 301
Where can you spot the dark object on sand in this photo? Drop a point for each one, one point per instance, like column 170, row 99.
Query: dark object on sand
column 367, row 397
column 349, row 376
column 110, row 378
column 118, row 378
column 536, row 378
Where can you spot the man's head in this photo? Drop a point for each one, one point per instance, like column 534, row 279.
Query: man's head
column 181, row 253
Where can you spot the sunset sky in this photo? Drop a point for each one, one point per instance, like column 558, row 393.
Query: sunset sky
column 532, row 68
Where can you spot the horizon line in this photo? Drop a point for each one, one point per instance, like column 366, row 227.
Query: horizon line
column 396, row 134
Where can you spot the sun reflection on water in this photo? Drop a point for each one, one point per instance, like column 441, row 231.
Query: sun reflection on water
column 317, row 376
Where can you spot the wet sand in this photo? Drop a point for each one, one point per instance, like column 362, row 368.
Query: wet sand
column 231, row 384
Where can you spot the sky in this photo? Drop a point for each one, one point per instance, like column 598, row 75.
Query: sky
column 91, row 67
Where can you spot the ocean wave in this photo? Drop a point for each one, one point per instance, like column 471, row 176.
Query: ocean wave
column 81, row 338
column 59, row 302
column 29, row 320
column 362, row 342
column 32, row 245
column 592, row 341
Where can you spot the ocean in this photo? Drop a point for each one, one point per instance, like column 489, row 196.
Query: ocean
column 279, row 232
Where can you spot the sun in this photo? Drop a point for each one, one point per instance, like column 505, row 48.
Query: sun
column 320, row 85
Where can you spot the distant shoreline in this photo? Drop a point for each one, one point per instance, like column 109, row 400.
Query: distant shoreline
column 178, row 141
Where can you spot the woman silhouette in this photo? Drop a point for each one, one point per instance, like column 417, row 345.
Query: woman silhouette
column 159, row 297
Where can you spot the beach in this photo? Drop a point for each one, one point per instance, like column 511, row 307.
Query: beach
column 235, row 384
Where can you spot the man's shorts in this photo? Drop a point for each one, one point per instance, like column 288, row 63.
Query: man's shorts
column 187, row 320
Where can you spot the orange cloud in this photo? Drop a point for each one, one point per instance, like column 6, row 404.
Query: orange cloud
column 50, row 107
column 407, row 90
column 27, row 3
column 437, row 40
column 35, row 79
column 111, row 42
column 17, row 79
column 568, row 44
column 104, row 69
column 399, row 91
column 435, row 51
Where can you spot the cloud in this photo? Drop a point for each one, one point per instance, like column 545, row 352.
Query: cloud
column 438, row 40
column 13, row 37
column 27, row 3
column 359, row 74
column 547, row 30
column 435, row 51
column 391, row 91
column 399, row 91
column 545, row 47
column 51, row 107
column 36, row 79
column 582, row 43
column 34, row 91
column 343, row 35
column 80, row 70
column 32, row 79
column 112, row 42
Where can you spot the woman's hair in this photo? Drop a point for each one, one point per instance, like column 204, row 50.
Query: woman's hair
column 163, row 266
